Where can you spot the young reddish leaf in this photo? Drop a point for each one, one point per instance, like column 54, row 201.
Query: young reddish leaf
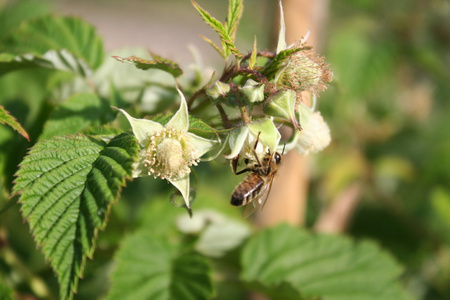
column 6, row 118
column 157, row 62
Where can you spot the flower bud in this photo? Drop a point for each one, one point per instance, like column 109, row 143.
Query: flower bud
column 282, row 105
column 253, row 91
column 217, row 90
column 306, row 71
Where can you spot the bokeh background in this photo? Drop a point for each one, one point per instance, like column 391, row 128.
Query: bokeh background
column 386, row 175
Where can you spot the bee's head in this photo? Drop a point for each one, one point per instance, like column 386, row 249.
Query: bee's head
column 277, row 157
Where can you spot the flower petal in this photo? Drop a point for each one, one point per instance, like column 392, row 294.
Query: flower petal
column 180, row 120
column 236, row 139
column 139, row 168
column 142, row 128
column 201, row 145
column 315, row 134
column 182, row 184
column 268, row 133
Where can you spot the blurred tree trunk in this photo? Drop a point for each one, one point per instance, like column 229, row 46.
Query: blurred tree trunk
column 287, row 200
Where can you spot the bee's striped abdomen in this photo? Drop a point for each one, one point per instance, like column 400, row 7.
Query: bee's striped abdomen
column 247, row 190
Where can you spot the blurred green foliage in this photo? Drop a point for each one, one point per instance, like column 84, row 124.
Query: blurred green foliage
column 389, row 115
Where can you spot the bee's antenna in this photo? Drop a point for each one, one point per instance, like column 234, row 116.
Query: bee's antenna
column 283, row 149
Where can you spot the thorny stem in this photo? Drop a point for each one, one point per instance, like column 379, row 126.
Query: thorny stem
column 245, row 70
column 245, row 115
column 267, row 54
column 223, row 115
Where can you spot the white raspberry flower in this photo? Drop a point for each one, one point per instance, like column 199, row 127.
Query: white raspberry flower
column 169, row 151
column 315, row 134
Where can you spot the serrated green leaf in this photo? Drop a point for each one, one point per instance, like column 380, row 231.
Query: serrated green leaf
column 67, row 186
column 332, row 267
column 198, row 127
column 279, row 61
column 38, row 36
column 220, row 51
column 76, row 114
column 52, row 59
column 6, row 118
column 157, row 62
column 252, row 59
column 14, row 13
column 227, row 42
column 235, row 9
column 149, row 267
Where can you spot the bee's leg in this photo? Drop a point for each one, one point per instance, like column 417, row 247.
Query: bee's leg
column 243, row 171
column 257, row 140
column 254, row 149
column 234, row 163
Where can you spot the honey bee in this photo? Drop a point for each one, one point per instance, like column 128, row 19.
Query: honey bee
column 255, row 188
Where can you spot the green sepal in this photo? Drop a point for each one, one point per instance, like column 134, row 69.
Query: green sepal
column 280, row 61
column 217, row 91
column 253, row 91
column 282, row 105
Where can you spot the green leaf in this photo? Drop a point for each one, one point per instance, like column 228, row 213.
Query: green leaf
column 197, row 126
column 5, row 292
column 156, row 63
column 283, row 291
column 36, row 37
column 67, row 187
column 14, row 13
column 279, row 61
column 227, row 41
column 235, row 9
column 149, row 267
column 253, row 56
column 52, row 59
column 220, row 237
column 220, row 51
column 6, row 118
column 76, row 114
column 332, row 267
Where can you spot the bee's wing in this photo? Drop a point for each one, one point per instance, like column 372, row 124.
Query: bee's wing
column 259, row 200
